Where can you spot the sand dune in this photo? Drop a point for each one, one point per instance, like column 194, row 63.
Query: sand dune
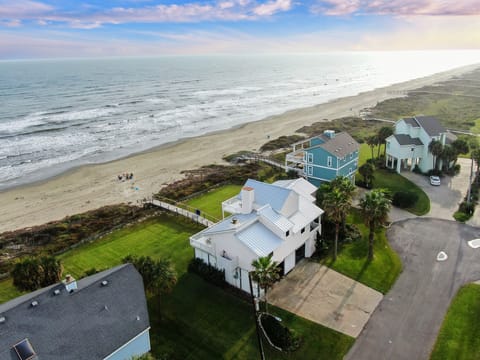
column 90, row 187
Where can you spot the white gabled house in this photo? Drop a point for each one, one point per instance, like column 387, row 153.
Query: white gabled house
column 408, row 146
column 279, row 219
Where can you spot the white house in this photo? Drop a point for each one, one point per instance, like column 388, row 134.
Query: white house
column 408, row 146
column 279, row 219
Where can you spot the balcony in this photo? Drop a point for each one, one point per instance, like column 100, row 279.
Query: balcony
column 232, row 206
column 202, row 242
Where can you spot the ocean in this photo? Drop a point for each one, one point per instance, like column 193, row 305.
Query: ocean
column 59, row 114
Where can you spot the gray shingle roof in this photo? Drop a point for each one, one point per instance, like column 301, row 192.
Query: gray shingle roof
column 341, row 145
column 88, row 324
column 411, row 121
column 430, row 124
column 404, row 139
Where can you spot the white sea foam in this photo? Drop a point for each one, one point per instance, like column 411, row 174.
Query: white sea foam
column 98, row 115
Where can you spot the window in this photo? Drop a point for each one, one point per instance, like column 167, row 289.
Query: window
column 310, row 158
column 388, row 144
column 351, row 156
column 302, row 231
column 287, row 233
column 329, row 161
column 350, row 170
column 309, row 170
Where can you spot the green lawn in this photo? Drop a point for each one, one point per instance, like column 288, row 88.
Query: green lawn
column 458, row 338
column 381, row 273
column 395, row 182
column 211, row 202
column 166, row 237
column 196, row 320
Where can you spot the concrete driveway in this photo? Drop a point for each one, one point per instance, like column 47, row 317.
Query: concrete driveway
column 444, row 199
column 406, row 323
column 326, row 297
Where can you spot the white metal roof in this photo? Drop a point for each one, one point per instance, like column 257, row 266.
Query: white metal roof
column 278, row 220
column 259, row 239
column 300, row 186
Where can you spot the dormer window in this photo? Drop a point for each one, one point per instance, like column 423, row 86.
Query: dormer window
column 302, row 231
column 287, row 233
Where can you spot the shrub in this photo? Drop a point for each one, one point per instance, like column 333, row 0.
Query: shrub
column 467, row 207
column 34, row 273
column 352, row 233
column 404, row 199
column 279, row 335
column 207, row 271
column 461, row 216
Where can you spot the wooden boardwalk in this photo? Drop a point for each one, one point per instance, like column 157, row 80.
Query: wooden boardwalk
column 183, row 212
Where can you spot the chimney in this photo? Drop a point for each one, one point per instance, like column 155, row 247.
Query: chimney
column 70, row 283
column 329, row 133
column 248, row 196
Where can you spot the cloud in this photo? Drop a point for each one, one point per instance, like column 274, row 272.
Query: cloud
column 23, row 9
column 10, row 23
column 272, row 7
column 398, row 7
column 85, row 18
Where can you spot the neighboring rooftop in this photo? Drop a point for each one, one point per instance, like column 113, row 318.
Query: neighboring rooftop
column 340, row 145
column 404, row 139
column 430, row 124
column 89, row 323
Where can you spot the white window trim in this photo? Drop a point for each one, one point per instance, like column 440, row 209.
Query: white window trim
column 329, row 162
column 309, row 170
column 310, row 157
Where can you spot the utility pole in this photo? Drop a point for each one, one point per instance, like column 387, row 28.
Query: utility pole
column 260, row 345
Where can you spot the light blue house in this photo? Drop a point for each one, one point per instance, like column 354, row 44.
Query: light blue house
column 103, row 316
column 322, row 158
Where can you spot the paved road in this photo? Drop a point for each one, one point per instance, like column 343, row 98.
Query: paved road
column 444, row 199
column 406, row 323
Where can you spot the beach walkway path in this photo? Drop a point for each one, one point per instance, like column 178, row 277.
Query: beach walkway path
column 183, row 212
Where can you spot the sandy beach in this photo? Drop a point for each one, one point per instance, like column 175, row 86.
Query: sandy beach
column 90, row 187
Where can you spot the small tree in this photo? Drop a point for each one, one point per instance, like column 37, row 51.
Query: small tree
column 336, row 205
column 382, row 135
column 367, row 171
column 372, row 141
column 266, row 273
column 33, row 273
column 158, row 275
column 436, row 148
column 346, row 187
column 375, row 207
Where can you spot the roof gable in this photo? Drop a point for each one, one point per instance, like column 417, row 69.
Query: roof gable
column 430, row 124
column 404, row 139
column 259, row 239
column 340, row 145
column 275, row 196
column 89, row 323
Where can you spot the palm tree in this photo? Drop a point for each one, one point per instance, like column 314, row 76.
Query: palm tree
column 449, row 154
column 367, row 170
column 436, row 148
column 375, row 207
column 345, row 185
column 52, row 270
column 382, row 135
column 336, row 205
column 266, row 273
column 372, row 141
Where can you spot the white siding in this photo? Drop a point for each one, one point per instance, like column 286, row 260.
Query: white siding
column 289, row 262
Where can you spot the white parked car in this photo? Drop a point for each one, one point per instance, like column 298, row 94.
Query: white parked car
column 435, row 180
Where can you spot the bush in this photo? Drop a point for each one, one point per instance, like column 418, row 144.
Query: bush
column 404, row 199
column 207, row 271
column 461, row 216
column 35, row 273
column 278, row 334
column 352, row 233
column 467, row 207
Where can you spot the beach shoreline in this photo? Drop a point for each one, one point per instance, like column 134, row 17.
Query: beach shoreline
column 91, row 186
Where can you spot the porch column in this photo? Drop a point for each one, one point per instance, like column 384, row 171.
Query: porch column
column 413, row 164
column 399, row 165
column 386, row 160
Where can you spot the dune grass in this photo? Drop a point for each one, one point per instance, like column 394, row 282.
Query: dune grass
column 379, row 274
column 458, row 338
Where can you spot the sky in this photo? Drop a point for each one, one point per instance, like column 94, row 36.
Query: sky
column 96, row 28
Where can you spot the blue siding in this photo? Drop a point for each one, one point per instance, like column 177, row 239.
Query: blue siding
column 316, row 141
column 139, row 346
column 320, row 171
